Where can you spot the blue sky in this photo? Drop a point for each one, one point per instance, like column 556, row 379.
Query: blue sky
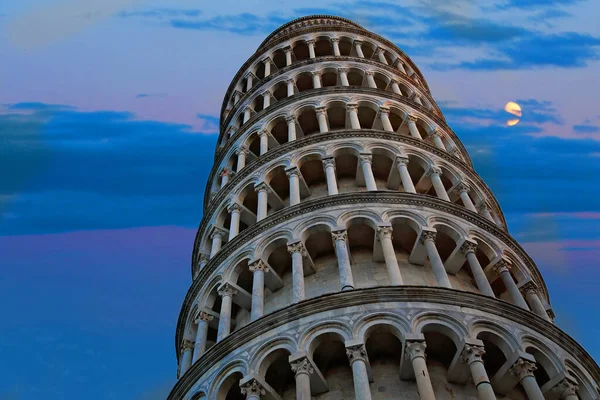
column 108, row 120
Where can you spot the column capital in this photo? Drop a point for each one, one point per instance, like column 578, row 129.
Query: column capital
column 402, row 160
column 529, row 286
column 339, row 235
column 434, row 170
column 262, row 132
column 302, row 366
column 310, row 41
column 472, row 353
column 468, row 246
column 262, row 187
column 357, row 352
column 379, row 51
column 253, row 388
column 523, row 368
column 370, row 73
column 265, row 93
column 412, row 118
column 358, row 42
column 234, row 207
column 202, row 316
column 226, row 290
column 384, row 110
column 242, row 150
column 187, row 345
column 288, row 81
column 329, row 161
column 501, row 266
column 225, row 171
column 366, row 158
column 292, row 171
column 266, row 60
column 217, row 231
column 351, row 107
column 567, row 387
column 258, row 265
column 427, row 235
column 290, row 118
column 415, row 349
column 456, row 152
column 204, row 257
column 463, row 187
column 315, row 73
column 287, row 49
column 320, row 110
column 481, row 207
column 335, row 39
column 384, row 232
column 343, row 70
column 297, row 247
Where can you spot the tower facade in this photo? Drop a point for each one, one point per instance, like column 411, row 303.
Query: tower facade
column 348, row 249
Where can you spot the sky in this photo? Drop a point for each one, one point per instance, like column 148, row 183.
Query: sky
column 108, row 121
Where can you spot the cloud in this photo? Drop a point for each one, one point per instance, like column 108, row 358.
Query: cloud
column 72, row 169
column 586, row 128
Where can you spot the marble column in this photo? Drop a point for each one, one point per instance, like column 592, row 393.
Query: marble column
column 263, row 136
column 234, row 225
column 384, row 115
column 316, row 77
column 503, row 269
column 201, row 334
column 336, row 46
column 365, row 163
column 352, row 109
column 322, row 119
column 290, row 87
column 267, row 63
column 485, row 211
column 412, row 127
column 358, row 48
column 311, row 48
column 523, row 369
column 297, row 252
column 293, row 175
column 236, row 97
column 396, row 88
column 247, row 114
column 407, row 183
column 437, row 140
column 203, row 260
column 248, row 82
column 253, row 390
column 381, row 56
column 266, row 99
column 472, row 355
column 343, row 76
column 463, row 190
column 288, row 56
column 217, row 240
column 258, row 268
column 263, row 197
column 567, row 389
column 415, row 351
column 371, row 80
column 226, row 291
column 302, row 369
column 242, row 153
column 400, row 65
column 357, row 355
column 469, row 248
column 291, row 126
column 329, row 166
column 531, row 294
column 391, row 263
column 343, row 259
column 224, row 177
column 435, row 174
column 186, row 356
column 417, row 100
column 427, row 238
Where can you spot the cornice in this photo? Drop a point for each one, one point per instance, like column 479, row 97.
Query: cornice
column 376, row 295
column 360, row 199
column 319, row 60
column 210, row 205
column 259, row 52
column 340, row 90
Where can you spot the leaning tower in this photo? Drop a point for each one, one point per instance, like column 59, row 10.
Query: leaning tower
column 348, row 248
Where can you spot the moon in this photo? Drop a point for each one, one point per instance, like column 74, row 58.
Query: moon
column 513, row 108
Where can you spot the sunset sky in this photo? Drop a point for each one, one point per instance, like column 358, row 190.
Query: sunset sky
column 108, row 122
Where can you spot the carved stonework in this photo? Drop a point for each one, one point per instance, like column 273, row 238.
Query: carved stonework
column 253, row 388
column 366, row 158
column 501, row 266
column 566, row 387
column 523, row 368
column 234, row 208
column 258, row 265
column 202, row 316
column 434, row 170
column 384, row 232
column 262, row 187
column 468, row 247
column 472, row 353
column 294, row 171
column 226, row 290
column 415, row 349
column 529, row 286
column 187, row 345
column 329, row 162
column 357, row 353
column 402, row 160
column 339, row 235
column 302, row 366
column 427, row 235
column 297, row 247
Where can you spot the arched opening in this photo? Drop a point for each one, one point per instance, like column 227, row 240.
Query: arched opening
column 319, row 245
column 329, row 77
column 240, row 310
column 249, row 200
column 366, row 116
column 279, row 374
column 258, row 103
column 329, row 355
column 244, row 85
column 260, row 70
column 279, row 260
column 311, row 168
column 384, row 350
column 440, row 352
column 346, row 46
column 355, row 77
column 308, row 121
column 543, row 364
column 381, row 80
column 404, row 237
column 365, row 270
column 397, row 119
column 279, row 130
column 301, row 51
column 496, row 352
column 368, row 49
column 280, row 91
column 382, row 163
column 230, row 388
column 278, row 181
column 336, row 115
column 304, row 81
column 279, row 59
column 346, row 164
column 254, row 144
column 323, row 47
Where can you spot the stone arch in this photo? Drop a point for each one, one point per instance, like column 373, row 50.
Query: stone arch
column 357, row 217
column 308, row 338
column 547, row 361
column 587, row 390
column 451, row 326
column 444, row 337
column 505, row 340
column 261, row 356
column 227, row 378
column 398, row 324
column 266, row 246
column 231, row 274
